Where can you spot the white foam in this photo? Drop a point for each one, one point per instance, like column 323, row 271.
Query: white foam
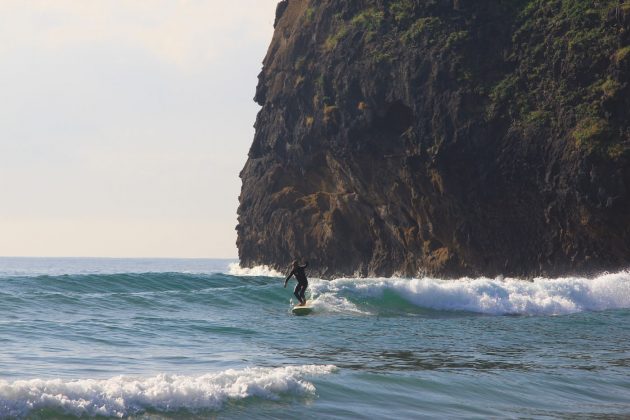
column 499, row 296
column 122, row 396
column 259, row 271
column 330, row 302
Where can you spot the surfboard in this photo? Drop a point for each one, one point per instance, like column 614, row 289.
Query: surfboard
column 303, row 310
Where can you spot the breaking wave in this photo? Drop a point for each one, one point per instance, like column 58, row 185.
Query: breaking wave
column 259, row 271
column 499, row 296
column 123, row 396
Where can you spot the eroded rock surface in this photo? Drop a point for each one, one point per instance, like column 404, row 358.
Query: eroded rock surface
column 442, row 137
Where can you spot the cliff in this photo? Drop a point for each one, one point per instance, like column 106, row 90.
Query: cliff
column 442, row 137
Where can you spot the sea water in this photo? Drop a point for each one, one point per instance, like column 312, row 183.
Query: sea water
column 204, row 338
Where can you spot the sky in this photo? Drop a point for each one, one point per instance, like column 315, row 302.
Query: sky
column 124, row 124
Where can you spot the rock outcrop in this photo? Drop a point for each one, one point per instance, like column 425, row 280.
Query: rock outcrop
column 442, row 137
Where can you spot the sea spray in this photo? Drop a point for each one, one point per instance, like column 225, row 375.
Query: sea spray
column 259, row 271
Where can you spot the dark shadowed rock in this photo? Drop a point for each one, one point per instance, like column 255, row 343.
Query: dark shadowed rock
column 446, row 137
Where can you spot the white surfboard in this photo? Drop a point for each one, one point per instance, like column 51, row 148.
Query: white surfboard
column 303, row 310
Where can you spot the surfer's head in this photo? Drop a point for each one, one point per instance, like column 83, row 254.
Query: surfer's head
column 295, row 263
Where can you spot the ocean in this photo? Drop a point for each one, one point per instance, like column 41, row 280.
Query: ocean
column 179, row 339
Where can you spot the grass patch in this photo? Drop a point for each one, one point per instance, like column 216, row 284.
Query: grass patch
column 537, row 117
column 502, row 92
column 381, row 56
column 401, row 10
column 456, row 39
column 309, row 14
column 589, row 132
column 621, row 54
column 369, row 20
column 610, row 87
column 616, row 151
column 421, row 27
column 333, row 40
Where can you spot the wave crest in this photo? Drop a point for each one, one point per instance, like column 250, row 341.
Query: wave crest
column 259, row 271
column 122, row 396
column 542, row 296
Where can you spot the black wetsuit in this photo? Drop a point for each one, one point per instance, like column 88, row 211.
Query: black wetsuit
column 300, row 276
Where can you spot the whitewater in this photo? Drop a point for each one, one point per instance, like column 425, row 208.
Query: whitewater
column 161, row 338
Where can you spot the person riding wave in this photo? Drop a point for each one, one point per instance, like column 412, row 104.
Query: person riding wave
column 300, row 276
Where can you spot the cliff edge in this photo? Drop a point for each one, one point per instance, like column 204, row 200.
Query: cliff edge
column 442, row 137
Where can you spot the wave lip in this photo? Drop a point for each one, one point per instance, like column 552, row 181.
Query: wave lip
column 122, row 396
column 259, row 271
column 542, row 296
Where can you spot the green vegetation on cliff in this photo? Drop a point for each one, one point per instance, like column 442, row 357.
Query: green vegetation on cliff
column 562, row 55
column 438, row 131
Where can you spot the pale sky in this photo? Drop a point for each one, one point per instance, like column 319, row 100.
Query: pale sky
column 124, row 124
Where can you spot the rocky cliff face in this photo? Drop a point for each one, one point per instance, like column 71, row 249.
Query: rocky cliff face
column 443, row 137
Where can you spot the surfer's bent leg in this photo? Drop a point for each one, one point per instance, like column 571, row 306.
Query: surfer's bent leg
column 298, row 292
column 303, row 291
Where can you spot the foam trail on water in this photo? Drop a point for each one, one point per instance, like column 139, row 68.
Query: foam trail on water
column 259, row 271
column 329, row 302
column 542, row 296
column 123, row 396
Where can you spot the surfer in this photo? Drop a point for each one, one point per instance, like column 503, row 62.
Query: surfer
column 300, row 276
